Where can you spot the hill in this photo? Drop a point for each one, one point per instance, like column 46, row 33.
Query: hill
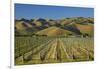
column 86, row 29
column 66, row 26
column 54, row 31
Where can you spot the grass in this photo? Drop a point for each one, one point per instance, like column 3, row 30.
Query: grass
column 39, row 50
column 54, row 31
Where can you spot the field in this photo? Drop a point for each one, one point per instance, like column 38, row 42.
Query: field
column 53, row 34
column 42, row 49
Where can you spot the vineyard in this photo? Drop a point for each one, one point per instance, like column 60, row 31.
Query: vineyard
column 42, row 49
column 43, row 36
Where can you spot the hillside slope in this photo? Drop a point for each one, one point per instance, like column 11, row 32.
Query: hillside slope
column 54, row 31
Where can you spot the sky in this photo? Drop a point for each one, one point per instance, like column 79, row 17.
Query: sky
column 30, row 11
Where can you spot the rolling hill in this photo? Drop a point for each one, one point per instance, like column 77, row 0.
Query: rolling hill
column 85, row 29
column 22, row 25
column 54, row 31
column 60, row 27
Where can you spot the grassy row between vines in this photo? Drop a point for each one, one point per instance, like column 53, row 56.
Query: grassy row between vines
column 39, row 50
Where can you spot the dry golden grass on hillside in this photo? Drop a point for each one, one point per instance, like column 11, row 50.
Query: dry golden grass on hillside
column 85, row 28
column 53, row 31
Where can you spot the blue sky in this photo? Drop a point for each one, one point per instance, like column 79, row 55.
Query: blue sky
column 29, row 11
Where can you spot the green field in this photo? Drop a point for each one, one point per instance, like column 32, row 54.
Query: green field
column 42, row 49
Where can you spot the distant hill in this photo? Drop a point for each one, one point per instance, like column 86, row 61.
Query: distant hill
column 54, row 31
column 50, row 27
column 21, row 25
column 86, row 29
